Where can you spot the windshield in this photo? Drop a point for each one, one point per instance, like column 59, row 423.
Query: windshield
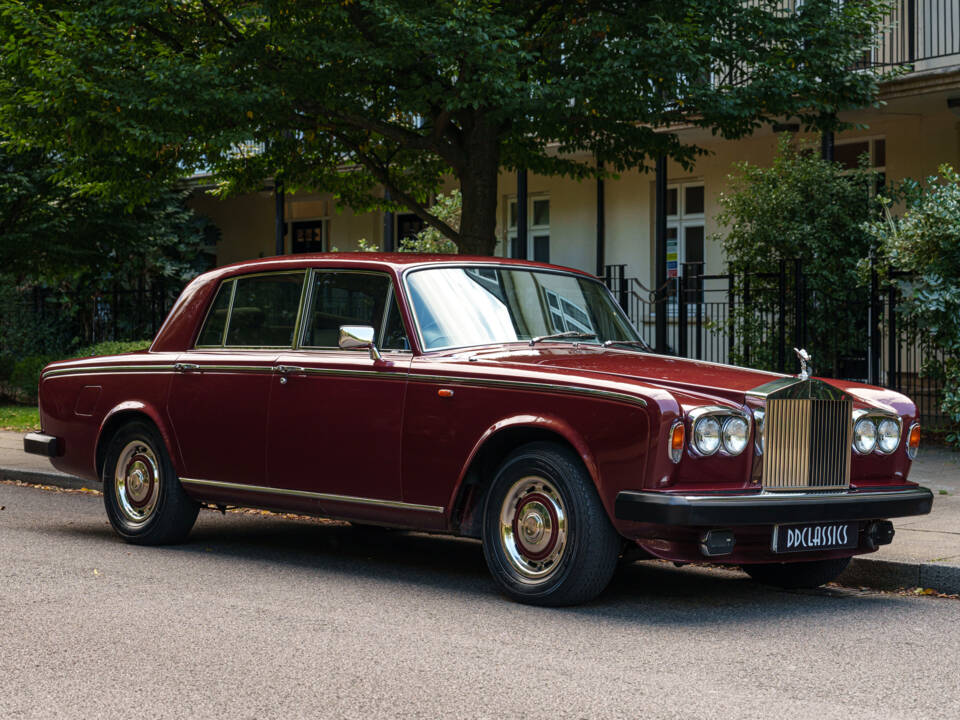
column 464, row 306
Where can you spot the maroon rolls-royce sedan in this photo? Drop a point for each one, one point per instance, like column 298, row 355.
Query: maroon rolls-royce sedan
column 503, row 400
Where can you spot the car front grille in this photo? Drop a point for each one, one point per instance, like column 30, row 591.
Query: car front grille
column 807, row 444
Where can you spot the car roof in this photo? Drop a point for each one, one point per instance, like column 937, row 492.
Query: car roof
column 396, row 260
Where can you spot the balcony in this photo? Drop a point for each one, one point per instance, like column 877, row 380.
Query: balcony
column 921, row 33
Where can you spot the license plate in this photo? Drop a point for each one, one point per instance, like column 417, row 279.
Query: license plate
column 814, row 536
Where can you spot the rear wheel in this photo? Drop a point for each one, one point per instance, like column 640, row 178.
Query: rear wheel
column 546, row 537
column 143, row 497
column 794, row 575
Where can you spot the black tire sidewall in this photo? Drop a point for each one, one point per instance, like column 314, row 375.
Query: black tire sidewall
column 543, row 461
column 148, row 435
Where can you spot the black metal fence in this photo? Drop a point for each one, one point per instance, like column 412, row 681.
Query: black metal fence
column 50, row 321
column 756, row 319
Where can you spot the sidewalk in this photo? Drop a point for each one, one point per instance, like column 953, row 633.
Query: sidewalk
column 925, row 552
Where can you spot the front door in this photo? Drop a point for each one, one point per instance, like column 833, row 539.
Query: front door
column 336, row 415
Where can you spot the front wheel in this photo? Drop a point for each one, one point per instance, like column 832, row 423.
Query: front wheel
column 546, row 537
column 795, row 575
column 145, row 502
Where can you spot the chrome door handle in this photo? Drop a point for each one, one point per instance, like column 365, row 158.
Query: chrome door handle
column 185, row 367
column 289, row 370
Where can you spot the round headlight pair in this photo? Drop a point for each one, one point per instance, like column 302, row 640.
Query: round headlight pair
column 712, row 432
column 872, row 433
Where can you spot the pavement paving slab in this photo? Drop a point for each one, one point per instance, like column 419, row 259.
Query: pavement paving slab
column 925, row 551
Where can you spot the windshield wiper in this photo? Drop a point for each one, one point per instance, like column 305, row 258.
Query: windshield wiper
column 559, row 336
column 635, row 343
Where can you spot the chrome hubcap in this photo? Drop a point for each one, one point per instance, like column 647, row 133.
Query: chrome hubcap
column 533, row 528
column 137, row 482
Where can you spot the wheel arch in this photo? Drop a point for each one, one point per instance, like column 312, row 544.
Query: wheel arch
column 491, row 450
column 119, row 416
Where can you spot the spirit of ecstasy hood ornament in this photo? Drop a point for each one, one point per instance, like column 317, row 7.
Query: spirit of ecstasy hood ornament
column 805, row 357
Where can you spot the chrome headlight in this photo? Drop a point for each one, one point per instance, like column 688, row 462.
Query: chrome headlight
column 888, row 435
column 735, row 434
column 706, row 435
column 864, row 436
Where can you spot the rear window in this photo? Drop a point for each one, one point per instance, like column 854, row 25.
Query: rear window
column 256, row 311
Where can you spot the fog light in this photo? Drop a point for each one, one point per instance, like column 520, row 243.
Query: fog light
column 717, row 542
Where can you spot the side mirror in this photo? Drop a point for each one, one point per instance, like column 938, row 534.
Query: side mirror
column 353, row 337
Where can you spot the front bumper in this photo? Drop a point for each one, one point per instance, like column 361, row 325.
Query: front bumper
column 769, row 508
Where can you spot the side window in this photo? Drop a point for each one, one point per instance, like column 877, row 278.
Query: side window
column 264, row 310
column 345, row 298
column 394, row 334
column 212, row 333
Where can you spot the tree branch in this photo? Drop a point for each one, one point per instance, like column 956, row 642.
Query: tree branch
column 382, row 173
column 222, row 19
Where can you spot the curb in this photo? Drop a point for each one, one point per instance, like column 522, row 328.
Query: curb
column 893, row 575
column 862, row 571
column 46, row 477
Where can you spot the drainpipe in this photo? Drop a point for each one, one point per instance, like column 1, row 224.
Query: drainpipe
column 520, row 251
column 601, row 227
column 660, row 250
column 279, row 222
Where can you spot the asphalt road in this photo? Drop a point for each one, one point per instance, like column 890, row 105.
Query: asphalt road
column 263, row 617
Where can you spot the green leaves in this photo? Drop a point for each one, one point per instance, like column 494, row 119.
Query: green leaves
column 346, row 96
column 925, row 242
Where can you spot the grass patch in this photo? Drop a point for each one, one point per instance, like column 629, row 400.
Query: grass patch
column 21, row 418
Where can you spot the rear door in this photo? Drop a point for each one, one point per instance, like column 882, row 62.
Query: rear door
column 219, row 397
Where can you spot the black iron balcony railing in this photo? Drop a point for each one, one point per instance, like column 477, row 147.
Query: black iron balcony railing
column 918, row 30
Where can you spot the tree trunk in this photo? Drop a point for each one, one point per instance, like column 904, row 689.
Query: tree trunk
column 478, row 187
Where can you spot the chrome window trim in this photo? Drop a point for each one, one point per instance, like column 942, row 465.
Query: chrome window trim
column 233, row 294
column 308, row 303
column 497, row 266
column 226, row 324
column 461, row 380
column 328, row 497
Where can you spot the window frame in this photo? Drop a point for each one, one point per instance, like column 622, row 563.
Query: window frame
column 421, row 345
column 233, row 294
column 533, row 231
column 308, row 301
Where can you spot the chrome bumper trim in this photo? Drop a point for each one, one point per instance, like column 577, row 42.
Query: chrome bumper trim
column 769, row 508
column 323, row 497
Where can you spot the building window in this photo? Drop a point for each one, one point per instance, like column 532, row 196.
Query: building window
column 308, row 236
column 849, row 152
column 536, row 246
column 408, row 225
column 685, row 228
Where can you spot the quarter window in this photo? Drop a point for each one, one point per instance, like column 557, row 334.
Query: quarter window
column 216, row 322
column 264, row 310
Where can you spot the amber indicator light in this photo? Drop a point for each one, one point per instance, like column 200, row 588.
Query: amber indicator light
column 914, row 439
column 445, row 392
column 676, row 441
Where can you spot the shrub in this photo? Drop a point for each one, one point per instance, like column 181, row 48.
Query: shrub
column 925, row 242
column 113, row 347
column 808, row 209
column 6, row 366
column 26, row 376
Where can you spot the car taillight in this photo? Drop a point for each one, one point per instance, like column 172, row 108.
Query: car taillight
column 913, row 441
column 677, row 436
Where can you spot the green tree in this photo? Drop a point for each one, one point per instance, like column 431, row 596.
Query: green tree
column 352, row 95
column 925, row 243
column 61, row 247
column 801, row 208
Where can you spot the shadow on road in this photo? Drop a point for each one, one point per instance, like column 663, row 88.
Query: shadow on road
column 650, row 592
